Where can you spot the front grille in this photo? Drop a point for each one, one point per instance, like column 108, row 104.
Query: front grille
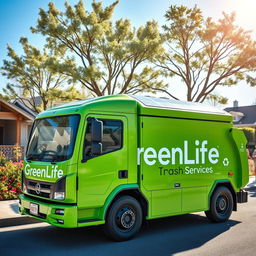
column 32, row 192
column 39, row 188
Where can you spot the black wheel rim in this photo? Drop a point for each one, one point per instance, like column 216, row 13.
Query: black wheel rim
column 125, row 218
column 222, row 204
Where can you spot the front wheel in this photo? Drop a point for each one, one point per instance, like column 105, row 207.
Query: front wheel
column 124, row 219
column 221, row 205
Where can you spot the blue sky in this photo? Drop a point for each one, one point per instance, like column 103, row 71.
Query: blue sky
column 16, row 17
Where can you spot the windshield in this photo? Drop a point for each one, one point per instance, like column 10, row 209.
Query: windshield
column 52, row 139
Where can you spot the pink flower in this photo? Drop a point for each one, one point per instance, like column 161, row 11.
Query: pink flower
column 14, row 189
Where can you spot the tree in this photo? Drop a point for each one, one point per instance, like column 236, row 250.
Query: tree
column 216, row 100
column 105, row 58
column 205, row 54
column 31, row 77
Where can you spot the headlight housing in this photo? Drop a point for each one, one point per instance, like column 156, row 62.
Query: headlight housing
column 59, row 189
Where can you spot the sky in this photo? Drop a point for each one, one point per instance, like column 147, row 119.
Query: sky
column 17, row 16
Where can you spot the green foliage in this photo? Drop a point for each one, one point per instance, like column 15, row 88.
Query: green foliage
column 32, row 76
column 216, row 100
column 10, row 178
column 3, row 160
column 205, row 54
column 250, row 134
column 105, row 57
column 6, row 98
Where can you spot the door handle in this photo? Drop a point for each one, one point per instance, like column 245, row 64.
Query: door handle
column 123, row 174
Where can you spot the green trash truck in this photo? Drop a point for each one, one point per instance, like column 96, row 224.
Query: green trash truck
column 119, row 160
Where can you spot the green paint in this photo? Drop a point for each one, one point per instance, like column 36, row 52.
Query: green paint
column 175, row 154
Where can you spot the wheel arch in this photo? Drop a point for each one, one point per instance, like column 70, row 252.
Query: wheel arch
column 227, row 184
column 132, row 191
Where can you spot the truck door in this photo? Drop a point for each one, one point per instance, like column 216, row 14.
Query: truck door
column 99, row 175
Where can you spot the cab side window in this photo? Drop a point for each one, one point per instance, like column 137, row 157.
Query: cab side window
column 112, row 137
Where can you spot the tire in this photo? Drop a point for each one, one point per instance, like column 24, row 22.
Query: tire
column 124, row 219
column 221, row 205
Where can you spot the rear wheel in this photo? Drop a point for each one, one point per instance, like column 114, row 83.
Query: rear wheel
column 124, row 219
column 221, row 205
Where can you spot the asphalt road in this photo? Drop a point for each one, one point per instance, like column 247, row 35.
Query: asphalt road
column 190, row 234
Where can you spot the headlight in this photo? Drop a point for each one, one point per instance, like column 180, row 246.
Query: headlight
column 59, row 191
column 59, row 195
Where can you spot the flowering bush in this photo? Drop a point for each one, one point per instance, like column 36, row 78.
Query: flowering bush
column 10, row 178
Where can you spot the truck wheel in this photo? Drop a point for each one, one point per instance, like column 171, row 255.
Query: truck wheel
column 221, row 205
column 124, row 219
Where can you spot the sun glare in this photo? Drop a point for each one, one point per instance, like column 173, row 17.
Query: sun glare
column 245, row 12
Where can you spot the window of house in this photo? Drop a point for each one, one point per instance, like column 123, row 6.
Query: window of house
column 112, row 137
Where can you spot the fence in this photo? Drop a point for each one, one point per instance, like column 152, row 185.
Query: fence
column 12, row 152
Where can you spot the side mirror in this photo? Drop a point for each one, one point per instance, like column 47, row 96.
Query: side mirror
column 96, row 148
column 97, row 130
column 97, row 135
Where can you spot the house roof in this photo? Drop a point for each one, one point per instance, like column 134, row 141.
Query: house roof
column 247, row 114
column 24, row 107
column 18, row 110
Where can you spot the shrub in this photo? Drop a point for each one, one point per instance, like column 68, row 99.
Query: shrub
column 3, row 160
column 10, row 178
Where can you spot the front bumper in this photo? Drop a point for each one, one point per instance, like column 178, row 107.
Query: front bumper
column 47, row 212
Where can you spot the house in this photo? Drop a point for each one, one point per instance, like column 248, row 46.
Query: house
column 244, row 116
column 15, row 125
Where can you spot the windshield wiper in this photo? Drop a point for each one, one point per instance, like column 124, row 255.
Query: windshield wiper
column 48, row 157
column 30, row 157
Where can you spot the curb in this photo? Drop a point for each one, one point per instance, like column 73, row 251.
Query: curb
column 10, row 216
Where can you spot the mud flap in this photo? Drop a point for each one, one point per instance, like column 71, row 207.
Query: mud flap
column 242, row 196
